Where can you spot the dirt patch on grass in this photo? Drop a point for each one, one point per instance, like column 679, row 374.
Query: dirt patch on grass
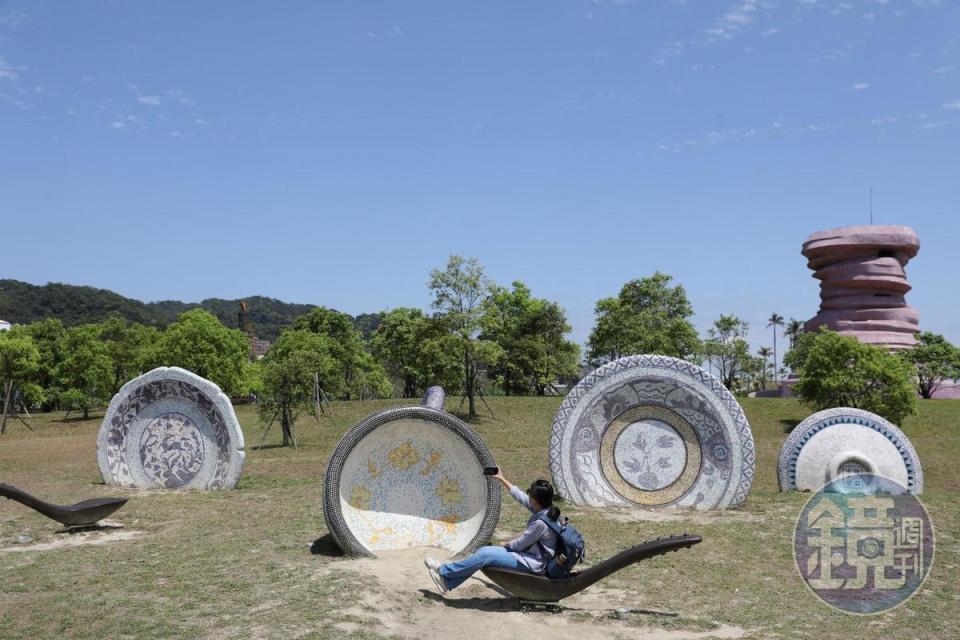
column 78, row 539
column 404, row 602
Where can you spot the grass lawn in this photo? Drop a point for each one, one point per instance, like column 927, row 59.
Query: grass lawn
column 239, row 563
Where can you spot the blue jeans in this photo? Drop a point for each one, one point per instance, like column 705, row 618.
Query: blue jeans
column 454, row 573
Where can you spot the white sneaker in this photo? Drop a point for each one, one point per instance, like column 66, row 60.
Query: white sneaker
column 433, row 568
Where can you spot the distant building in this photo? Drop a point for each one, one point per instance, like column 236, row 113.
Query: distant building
column 259, row 347
column 4, row 325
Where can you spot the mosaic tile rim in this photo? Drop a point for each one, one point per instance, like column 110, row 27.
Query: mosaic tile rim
column 817, row 422
column 709, row 401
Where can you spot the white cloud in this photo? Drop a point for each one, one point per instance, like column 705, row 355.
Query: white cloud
column 926, row 126
column 128, row 122
column 860, row 86
column 13, row 20
column 667, row 52
column 152, row 101
column 942, row 70
column 883, row 120
column 179, row 96
column 6, row 71
column 953, row 106
column 770, row 32
column 734, row 20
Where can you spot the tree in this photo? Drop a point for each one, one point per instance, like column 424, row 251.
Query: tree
column 727, row 350
column 295, row 361
column 935, row 360
column 129, row 345
column 48, row 336
column 532, row 334
column 764, row 353
column 200, row 343
column 85, row 374
column 355, row 374
column 775, row 320
column 459, row 295
column 414, row 350
column 648, row 316
column 793, row 330
column 841, row 371
column 19, row 361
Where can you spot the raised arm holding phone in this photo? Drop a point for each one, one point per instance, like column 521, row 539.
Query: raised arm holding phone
column 530, row 551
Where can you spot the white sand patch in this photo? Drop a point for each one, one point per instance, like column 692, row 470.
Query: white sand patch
column 78, row 539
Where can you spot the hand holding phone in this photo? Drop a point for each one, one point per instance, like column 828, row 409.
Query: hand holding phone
column 491, row 471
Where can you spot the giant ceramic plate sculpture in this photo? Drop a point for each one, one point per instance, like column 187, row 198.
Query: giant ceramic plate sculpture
column 410, row 476
column 838, row 442
column 170, row 429
column 652, row 431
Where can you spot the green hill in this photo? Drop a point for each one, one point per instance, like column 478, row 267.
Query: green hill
column 22, row 303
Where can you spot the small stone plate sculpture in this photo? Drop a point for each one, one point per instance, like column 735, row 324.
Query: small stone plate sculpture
column 410, row 476
column 170, row 429
column 838, row 442
column 652, row 431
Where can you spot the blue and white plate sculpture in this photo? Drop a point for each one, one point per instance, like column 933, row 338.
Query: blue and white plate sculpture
column 170, row 429
column 651, row 431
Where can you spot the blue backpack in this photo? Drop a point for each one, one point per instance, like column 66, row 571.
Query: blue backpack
column 570, row 548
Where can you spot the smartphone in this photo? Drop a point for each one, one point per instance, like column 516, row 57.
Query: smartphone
column 491, row 471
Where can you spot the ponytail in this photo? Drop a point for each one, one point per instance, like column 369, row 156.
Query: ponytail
column 542, row 492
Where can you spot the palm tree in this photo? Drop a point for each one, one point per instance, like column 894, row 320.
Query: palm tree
column 775, row 320
column 793, row 330
column 764, row 352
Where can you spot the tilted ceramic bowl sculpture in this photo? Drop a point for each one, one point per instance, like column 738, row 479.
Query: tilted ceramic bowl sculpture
column 410, row 476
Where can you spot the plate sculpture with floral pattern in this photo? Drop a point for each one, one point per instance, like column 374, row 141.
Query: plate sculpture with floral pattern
column 410, row 476
column 170, row 429
column 651, row 431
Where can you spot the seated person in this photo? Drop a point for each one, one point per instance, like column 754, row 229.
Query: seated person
column 530, row 551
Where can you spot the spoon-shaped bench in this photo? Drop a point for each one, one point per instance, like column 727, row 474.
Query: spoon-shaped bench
column 81, row 514
column 529, row 587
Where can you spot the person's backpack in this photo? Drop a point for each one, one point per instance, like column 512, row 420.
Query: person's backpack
column 570, row 548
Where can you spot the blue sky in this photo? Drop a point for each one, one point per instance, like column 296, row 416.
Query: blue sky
column 334, row 152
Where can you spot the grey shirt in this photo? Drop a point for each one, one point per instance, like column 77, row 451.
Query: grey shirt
column 538, row 543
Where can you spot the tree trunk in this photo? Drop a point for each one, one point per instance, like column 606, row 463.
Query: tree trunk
column 6, row 406
column 468, row 382
column 774, row 355
column 86, row 413
column 286, row 426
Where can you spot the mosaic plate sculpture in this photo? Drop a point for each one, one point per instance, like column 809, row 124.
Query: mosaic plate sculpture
column 170, row 429
column 838, row 442
column 651, row 431
column 410, row 476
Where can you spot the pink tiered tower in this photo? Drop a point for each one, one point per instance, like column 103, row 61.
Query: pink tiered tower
column 863, row 284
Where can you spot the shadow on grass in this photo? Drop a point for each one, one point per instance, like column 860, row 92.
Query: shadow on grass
column 789, row 425
column 81, row 418
column 496, row 604
column 325, row 546
column 263, row 447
